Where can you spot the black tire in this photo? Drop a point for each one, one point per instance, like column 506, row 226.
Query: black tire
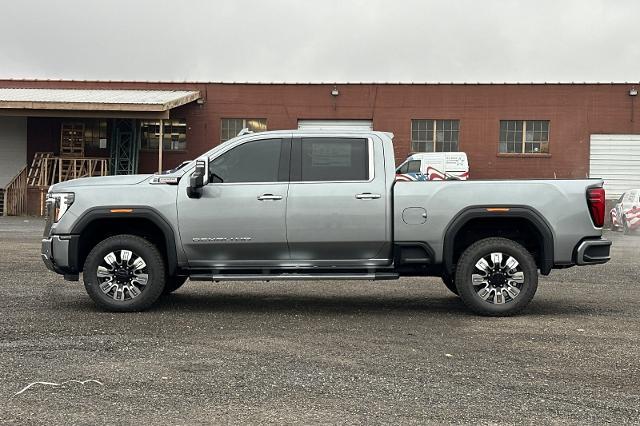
column 173, row 283
column 625, row 225
column 450, row 283
column 502, row 304
column 154, row 270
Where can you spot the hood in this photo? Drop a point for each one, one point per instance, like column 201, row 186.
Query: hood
column 99, row 181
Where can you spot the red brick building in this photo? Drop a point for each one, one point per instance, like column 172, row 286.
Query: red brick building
column 507, row 130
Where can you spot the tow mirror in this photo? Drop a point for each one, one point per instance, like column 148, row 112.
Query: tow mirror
column 198, row 179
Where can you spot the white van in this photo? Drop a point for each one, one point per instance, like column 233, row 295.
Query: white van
column 434, row 166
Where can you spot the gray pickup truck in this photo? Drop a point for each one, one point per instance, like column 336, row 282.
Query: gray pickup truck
column 301, row 205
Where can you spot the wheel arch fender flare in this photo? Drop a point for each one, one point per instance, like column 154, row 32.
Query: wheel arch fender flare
column 118, row 213
column 502, row 211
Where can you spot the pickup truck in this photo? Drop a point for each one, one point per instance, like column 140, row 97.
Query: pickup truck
column 317, row 205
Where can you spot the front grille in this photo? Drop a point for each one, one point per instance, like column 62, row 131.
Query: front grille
column 48, row 212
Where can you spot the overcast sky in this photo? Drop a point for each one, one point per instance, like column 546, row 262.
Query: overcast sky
column 322, row 40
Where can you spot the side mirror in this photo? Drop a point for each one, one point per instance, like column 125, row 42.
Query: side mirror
column 198, row 179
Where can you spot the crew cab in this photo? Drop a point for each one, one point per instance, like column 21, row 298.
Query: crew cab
column 309, row 205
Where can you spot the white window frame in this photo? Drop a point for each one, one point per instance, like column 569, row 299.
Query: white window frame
column 524, row 138
column 168, row 122
column 244, row 125
column 434, row 133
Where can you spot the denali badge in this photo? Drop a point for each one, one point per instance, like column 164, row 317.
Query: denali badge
column 221, row 239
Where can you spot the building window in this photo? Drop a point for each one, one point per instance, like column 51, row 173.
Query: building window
column 524, row 137
column 174, row 136
column 95, row 134
column 230, row 127
column 434, row 135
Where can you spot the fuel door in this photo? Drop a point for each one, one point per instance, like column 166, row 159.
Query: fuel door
column 414, row 215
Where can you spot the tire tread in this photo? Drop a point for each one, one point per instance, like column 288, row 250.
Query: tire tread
column 153, row 258
column 467, row 294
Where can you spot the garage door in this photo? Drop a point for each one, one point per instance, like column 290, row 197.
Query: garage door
column 335, row 124
column 616, row 159
column 13, row 147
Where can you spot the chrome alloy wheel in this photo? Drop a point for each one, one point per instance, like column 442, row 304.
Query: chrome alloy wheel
column 497, row 278
column 122, row 275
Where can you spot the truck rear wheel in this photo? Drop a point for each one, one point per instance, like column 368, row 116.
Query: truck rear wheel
column 496, row 277
column 124, row 273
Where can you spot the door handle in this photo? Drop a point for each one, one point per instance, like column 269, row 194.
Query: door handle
column 367, row 196
column 264, row 197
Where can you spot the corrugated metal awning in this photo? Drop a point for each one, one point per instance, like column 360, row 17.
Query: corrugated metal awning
column 365, row 125
column 95, row 100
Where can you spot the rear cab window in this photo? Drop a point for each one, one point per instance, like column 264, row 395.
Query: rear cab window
column 322, row 159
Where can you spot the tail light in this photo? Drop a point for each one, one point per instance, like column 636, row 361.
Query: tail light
column 595, row 200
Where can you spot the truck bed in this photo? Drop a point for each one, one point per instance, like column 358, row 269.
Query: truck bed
column 562, row 204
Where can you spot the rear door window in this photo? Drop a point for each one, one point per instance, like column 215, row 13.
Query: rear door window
column 333, row 159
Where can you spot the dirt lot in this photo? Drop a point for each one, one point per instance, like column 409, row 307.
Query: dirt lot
column 322, row 352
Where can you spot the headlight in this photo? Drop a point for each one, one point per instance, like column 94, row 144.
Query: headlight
column 59, row 203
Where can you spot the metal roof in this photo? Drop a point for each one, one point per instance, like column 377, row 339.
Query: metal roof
column 93, row 99
column 329, row 82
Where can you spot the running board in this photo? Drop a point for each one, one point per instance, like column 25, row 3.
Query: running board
column 294, row 277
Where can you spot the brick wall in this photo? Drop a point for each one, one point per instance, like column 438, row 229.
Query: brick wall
column 574, row 112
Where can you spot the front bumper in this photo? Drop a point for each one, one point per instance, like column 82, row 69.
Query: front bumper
column 593, row 252
column 59, row 254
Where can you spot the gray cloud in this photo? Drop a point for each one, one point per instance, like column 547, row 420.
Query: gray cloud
column 328, row 40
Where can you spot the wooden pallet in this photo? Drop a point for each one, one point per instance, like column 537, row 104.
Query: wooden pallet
column 73, row 168
column 38, row 172
column 72, row 140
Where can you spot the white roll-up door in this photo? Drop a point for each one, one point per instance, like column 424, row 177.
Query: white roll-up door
column 13, row 147
column 616, row 159
column 335, row 125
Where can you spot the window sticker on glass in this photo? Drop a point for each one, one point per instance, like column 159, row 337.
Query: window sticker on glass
column 330, row 155
column 337, row 159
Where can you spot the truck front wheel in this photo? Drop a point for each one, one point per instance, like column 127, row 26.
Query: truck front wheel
column 124, row 273
column 173, row 283
column 496, row 277
column 450, row 283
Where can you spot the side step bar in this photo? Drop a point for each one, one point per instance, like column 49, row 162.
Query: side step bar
column 294, row 277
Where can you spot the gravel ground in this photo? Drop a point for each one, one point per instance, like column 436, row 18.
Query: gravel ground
column 319, row 352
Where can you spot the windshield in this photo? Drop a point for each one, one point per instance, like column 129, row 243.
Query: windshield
column 208, row 153
column 175, row 169
column 225, row 144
